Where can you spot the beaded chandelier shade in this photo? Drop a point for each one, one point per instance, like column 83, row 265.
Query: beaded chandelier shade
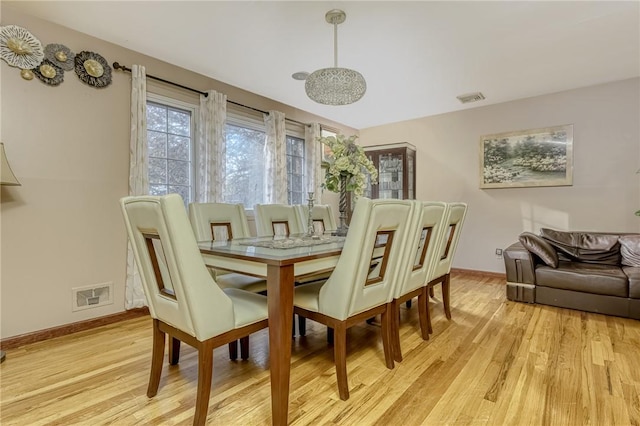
column 335, row 86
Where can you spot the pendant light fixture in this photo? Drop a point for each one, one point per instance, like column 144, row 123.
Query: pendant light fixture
column 335, row 86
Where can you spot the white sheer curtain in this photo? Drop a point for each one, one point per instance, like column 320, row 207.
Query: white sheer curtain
column 313, row 153
column 211, row 147
column 276, row 159
column 138, row 174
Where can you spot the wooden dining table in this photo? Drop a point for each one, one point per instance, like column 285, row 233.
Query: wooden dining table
column 280, row 260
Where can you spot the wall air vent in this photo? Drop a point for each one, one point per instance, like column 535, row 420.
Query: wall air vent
column 92, row 296
column 470, row 97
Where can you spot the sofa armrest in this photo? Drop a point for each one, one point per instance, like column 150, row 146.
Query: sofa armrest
column 519, row 264
column 520, row 268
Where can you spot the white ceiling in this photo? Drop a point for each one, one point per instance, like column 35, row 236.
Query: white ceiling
column 415, row 56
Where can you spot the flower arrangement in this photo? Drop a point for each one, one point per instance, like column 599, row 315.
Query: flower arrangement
column 347, row 160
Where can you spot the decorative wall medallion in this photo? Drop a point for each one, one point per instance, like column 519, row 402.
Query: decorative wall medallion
column 60, row 55
column 93, row 69
column 26, row 74
column 49, row 73
column 19, row 48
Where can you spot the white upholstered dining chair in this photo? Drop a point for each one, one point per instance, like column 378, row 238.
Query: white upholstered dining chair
column 425, row 231
column 223, row 221
column 184, row 300
column 362, row 283
column 277, row 219
column 448, row 245
column 321, row 215
column 323, row 221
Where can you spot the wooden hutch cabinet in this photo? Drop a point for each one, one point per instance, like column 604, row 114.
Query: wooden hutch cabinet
column 396, row 165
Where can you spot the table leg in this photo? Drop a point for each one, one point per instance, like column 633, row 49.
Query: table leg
column 280, row 302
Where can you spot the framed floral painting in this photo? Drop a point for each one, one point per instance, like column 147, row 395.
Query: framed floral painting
column 527, row 158
column 325, row 149
column 326, row 154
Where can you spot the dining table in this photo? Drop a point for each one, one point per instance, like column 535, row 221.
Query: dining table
column 280, row 260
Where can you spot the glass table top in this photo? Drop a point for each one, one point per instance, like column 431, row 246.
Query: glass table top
column 275, row 248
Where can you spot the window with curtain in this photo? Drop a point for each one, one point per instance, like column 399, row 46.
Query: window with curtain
column 295, row 170
column 296, row 163
column 170, row 139
column 245, row 163
column 171, row 133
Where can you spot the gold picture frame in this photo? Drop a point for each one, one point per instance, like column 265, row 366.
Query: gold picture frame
column 527, row 158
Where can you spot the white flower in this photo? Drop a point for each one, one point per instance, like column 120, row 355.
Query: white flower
column 347, row 160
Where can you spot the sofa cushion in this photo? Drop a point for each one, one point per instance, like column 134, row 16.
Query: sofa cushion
column 540, row 247
column 634, row 280
column 588, row 247
column 630, row 249
column 585, row 277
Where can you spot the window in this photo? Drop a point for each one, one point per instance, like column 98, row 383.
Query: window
column 171, row 146
column 295, row 170
column 245, row 162
column 170, row 130
column 245, row 165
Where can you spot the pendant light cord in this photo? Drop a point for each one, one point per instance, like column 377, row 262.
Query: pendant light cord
column 335, row 43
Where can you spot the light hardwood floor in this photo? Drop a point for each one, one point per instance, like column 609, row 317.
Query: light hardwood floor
column 496, row 362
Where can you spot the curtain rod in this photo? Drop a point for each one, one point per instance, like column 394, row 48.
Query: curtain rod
column 117, row 66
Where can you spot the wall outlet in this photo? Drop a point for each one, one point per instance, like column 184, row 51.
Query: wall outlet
column 498, row 253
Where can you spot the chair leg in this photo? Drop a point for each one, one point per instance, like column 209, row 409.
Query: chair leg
column 293, row 326
column 244, row 348
column 445, row 295
column 387, row 319
column 395, row 329
column 408, row 304
column 431, row 292
column 205, row 373
column 157, row 356
column 330, row 337
column 174, row 351
column 423, row 314
column 340, row 355
column 233, row 350
column 302, row 325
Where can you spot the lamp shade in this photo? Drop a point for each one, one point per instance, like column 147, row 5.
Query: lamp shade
column 335, row 86
column 6, row 174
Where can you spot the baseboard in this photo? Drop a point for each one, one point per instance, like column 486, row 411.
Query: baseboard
column 455, row 271
column 50, row 333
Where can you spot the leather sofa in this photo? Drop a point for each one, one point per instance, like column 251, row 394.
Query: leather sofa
column 589, row 271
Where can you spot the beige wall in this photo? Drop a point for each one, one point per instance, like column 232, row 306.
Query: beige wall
column 605, row 191
column 69, row 146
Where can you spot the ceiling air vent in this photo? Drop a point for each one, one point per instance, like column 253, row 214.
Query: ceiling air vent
column 470, row 97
